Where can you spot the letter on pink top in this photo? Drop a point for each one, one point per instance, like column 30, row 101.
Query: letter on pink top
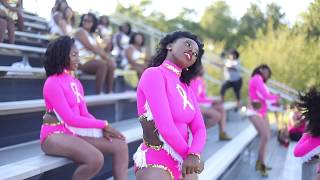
column 64, row 94
column 173, row 107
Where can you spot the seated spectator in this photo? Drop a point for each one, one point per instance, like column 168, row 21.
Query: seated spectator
column 12, row 10
column 6, row 24
column 213, row 110
column 93, row 59
column 134, row 54
column 68, row 129
column 63, row 22
column 59, row 5
column 58, row 8
column 105, row 32
column 295, row 127
column 120, row 41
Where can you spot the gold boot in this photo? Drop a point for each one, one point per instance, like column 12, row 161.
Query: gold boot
column 262, row 168
column 224, row 137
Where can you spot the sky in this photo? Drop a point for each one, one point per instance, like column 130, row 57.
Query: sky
column 171, row 8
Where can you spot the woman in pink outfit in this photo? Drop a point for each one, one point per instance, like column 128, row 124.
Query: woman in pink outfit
column 308, row 146
column 69, row 130
column 173, row 130
column 213, row 110
column 259, row 95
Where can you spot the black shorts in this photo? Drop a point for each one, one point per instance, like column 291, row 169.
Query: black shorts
column 235, row 85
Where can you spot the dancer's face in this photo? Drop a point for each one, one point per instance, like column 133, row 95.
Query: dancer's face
column 265, row 74
column 184, row 52
column 74, row 59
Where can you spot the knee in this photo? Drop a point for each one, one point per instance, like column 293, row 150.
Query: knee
column 122, row 149
column 95, row 162
column 111, row 65
column 103, row 67
column 265, row 136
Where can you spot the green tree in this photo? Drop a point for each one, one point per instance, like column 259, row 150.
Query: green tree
column 311, row 20
column 250, row 22
column 274, row 15
column 217, row 22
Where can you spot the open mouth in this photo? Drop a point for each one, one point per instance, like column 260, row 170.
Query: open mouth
column 188, row 55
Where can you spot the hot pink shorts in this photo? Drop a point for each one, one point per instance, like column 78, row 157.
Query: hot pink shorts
column 160, row 159
column 48, row 129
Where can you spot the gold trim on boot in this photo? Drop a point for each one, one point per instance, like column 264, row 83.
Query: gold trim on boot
column 224, row 137
column 262, row 168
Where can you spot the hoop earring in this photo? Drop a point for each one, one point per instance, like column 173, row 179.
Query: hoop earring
column 169, row 49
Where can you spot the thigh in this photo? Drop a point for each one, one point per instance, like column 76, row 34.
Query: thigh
column 236, row 86
column 152, row 173
column 226, row 86
column 91, row 67
column 71, row 147
column 218, row 106
column 106, row 146
column 210, row 111
column 258, row 124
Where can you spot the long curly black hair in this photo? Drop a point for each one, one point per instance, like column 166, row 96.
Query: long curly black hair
column 162, row 51
column 309, row 103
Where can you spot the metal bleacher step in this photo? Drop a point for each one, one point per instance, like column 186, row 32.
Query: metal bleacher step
column 214, row 154
column 18, row 164
column 15, row 107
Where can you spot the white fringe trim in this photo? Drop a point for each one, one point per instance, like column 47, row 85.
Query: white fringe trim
column 307, row 157
column 251, row 112
column 148, row 113
column 88, row 132
column 139, row 157
column 171, row 151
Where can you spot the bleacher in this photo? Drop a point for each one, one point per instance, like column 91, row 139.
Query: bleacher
column 22, row 107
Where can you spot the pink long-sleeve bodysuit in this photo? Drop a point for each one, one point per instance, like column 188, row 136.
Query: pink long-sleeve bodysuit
column 199, row 88
column 171, row 104
column 258, row 92
column 63, row 94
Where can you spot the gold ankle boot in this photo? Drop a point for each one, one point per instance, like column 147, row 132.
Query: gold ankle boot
column 224, row 137
column 262, row 168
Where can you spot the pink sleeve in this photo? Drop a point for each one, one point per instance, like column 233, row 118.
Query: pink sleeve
column 262, row 89
column 156, row 96
column 198, row 131
column 54, row 94
column 196, row 85
column 299, row 149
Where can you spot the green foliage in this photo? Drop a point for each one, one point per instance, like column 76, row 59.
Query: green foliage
column 292, row 53
column 311, row 21
column 293, row 60
column 217, row 22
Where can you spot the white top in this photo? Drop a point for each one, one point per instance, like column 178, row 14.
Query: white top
column 86, row 55
column 55, row 28
column 124, row 42
column 136, row 55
